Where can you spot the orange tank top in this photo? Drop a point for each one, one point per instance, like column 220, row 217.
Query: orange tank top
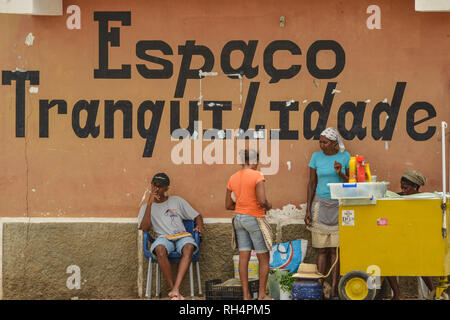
column 243, row 184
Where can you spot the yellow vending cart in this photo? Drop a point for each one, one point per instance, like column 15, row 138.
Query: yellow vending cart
column 391, row 237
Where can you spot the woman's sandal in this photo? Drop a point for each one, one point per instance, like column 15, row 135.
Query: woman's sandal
column 326, row 290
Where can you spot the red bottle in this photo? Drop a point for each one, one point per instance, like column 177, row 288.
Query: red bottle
column 360, row 169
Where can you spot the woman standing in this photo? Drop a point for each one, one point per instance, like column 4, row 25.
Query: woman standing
column 250, row 229
column 330, row 165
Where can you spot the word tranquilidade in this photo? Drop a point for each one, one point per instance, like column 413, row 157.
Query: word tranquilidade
column 111, row 37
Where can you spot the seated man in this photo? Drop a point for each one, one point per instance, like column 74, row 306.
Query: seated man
column 166, row 214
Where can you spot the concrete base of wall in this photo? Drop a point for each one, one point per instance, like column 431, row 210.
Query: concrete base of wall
column 102, row 259
column 41, row 260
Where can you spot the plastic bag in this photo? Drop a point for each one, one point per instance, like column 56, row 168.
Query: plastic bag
column 288, row 255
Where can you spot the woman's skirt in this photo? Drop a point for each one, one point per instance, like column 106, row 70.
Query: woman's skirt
column 325, row 223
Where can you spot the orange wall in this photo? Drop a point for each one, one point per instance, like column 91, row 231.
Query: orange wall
column 68, row 176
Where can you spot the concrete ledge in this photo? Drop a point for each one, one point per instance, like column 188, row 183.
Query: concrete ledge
column 34, row 7
column 36, row 257
column 432, row 5
column 102, row 258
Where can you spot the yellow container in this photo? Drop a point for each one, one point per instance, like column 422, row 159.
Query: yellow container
column 368, row 174
column 352, row 170
column 253, row 267
column 398, row 237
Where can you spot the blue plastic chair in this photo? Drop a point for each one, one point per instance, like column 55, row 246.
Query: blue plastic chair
column 174, row 257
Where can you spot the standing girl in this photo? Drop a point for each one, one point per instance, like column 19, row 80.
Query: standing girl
column 250, row 229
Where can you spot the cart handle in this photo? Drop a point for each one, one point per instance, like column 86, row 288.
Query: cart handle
column 444, row 191
column 349, row 185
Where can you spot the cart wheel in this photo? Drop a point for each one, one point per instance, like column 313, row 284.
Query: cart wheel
column 353, row 286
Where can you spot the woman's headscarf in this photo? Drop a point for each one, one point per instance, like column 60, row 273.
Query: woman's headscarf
column 333, row 135
column 415, row 177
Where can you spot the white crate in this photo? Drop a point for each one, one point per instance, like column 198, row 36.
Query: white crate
column 360, row 190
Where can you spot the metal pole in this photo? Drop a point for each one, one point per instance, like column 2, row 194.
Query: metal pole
column 444, row 183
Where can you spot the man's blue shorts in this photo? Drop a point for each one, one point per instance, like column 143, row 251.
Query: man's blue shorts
column 173, row 245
